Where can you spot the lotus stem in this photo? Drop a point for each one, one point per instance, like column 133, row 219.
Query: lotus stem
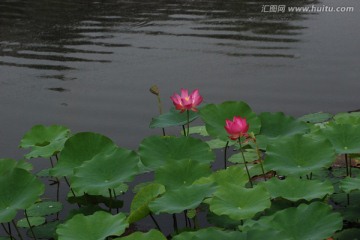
column 347, row 165
column 51, row 162
column 184, row 131
column 155, row 90
column 156, row 223
column 17, row 230
column 188, row 122
column 111, row 200
column 186, row 220
column 260, row 159
column 117, row 209
column 243, row 157
column 175, row 223
column 31, row 228
column 7, row 232
column 225, row 154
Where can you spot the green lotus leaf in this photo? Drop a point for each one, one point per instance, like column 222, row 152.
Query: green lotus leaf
column 172, row 118
column 349, row 184
column 231, row 175
column 19, row 189
column 156, row 151
column 318, row 117
column 80, row 148
column 140, row 204
column 183, row 198
column 314, row 221
column 298, row 155
column 342, row 199
column 201, row 130
column 44, row 141
column 350, row 213
column 278, row 125
column 181, row 173
column 7, row 165
column 210, row 233
column 84, row 210
column 250, row 156
column 347, row 234
column 255, row 234
column 222, row 221
column 44, row 209
column 95, row 227
column 238, row 202
column 151, row 235
column 345, row 138
column 105, row 171
column 295, row 189
column 219, row 144
column 352, row 118
column 45, row 231
column 34, row 221
column 215, row 115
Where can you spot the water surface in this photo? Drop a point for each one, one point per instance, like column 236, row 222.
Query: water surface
column 88, row 65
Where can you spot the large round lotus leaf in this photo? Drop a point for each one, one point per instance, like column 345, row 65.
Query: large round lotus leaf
column 277, row 125
column 294, row 189
column 151, row 235
column 250, row 156
column 215, row 115
column 222, row 221
column 45, row 141
column 352, row 118
column 172, row 118
column 344, row 137
column 211, row 233
column 238, row 202
column 140, row 204
column 105, row 171
column 95, row 227
column 314, row 221
column 19, row 189
column 44, row 209
column 181, row 173
column 156, row 151
column 350, row 184
column 298, row 155
column 183, row 198
column 7, row 165
column 233, row 175
column 79, row 148
column 318, row 117
column 34, row 221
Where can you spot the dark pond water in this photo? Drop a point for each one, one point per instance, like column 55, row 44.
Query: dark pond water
column 89, row 64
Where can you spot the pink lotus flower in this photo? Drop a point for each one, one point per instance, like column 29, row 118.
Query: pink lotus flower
column 186, row 102
column 236, row 128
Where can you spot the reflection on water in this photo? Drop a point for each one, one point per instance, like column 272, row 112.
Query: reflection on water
column 52, row 35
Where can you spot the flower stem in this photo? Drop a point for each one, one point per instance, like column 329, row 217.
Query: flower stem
column 225, row 153
column 31, row 228
column 17, row 230
column 243, row 157
column 175, row 224
column 188, row 122
column 156, row 223
column 260, row 159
